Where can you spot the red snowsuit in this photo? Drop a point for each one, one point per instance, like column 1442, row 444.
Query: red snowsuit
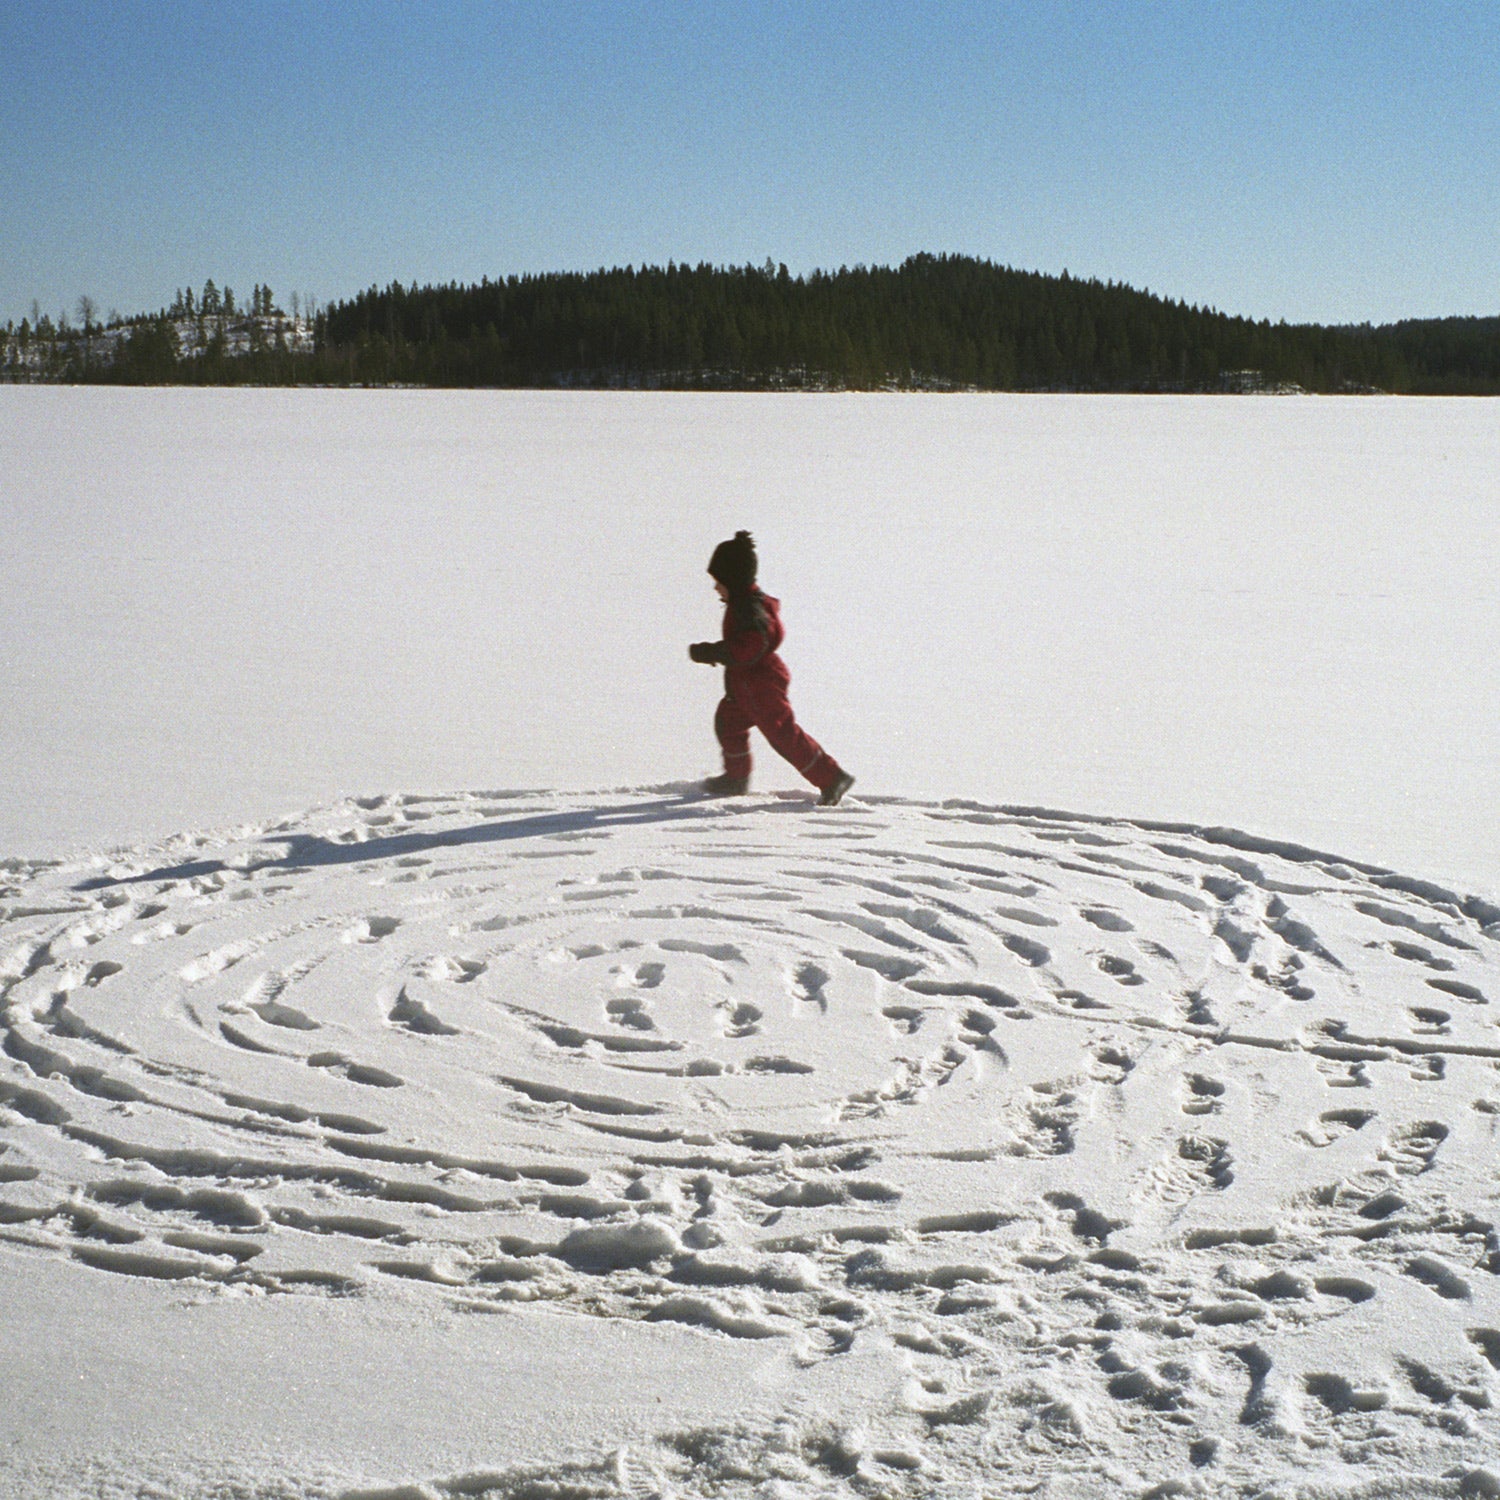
column 755, row 687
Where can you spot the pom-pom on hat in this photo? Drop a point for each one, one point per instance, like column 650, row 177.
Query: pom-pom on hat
column 733, row 563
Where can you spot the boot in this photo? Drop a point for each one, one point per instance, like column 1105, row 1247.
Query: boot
column 834, row 794
column 727, row 785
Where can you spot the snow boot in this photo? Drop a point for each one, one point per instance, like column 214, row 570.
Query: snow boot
column 727, row 786
column 834, row 794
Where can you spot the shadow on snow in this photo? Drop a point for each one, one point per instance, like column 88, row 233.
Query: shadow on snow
column 303, row 851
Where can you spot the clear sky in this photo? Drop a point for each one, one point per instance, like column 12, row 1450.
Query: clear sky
column 1327, row 160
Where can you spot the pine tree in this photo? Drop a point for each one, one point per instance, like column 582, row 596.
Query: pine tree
column 934, row 321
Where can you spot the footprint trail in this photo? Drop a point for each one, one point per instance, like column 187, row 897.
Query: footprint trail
column 1102, row 1148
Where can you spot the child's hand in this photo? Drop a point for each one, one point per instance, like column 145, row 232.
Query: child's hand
column 706, row 652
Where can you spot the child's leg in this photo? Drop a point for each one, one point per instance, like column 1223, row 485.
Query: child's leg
column 732, row 726
column 775, row 720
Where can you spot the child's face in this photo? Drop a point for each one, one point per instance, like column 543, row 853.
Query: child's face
column 721, row 591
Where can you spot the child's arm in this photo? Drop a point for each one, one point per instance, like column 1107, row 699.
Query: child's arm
column 747, row 633
column 745, row 647
column 744, row 644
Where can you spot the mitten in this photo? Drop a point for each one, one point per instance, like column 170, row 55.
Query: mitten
column 710, row 653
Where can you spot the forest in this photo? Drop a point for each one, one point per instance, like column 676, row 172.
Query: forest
column 936, row 322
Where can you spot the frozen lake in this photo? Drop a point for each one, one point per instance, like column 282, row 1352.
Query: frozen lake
column 1276, row 614
column 516, row 1106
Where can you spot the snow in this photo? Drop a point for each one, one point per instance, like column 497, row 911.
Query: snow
column 1275, row 613
column 601, row 1139
column 241, row 335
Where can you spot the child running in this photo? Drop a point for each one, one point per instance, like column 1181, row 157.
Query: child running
column 756, row 681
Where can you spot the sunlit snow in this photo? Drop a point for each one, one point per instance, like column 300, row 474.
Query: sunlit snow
column 462, row 1137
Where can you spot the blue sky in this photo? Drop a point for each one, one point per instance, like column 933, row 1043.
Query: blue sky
column 1323, row 160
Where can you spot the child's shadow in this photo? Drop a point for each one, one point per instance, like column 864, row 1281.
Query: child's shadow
column 303, row 851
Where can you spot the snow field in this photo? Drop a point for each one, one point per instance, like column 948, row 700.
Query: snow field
column 617, row 1143
column 1277, row 614
column 1022, row 1148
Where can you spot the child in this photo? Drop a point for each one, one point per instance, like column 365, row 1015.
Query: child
column 756, row 680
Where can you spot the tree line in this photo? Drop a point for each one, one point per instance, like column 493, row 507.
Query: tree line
column 934, row 322
column 202, row 338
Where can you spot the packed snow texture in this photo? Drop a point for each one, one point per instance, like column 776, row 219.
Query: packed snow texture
column 1003, row 1148
column 622, row 1143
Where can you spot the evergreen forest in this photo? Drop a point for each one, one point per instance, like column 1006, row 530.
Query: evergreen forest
column 936, row 322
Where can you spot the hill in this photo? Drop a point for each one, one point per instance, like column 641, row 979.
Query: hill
column 936, row 322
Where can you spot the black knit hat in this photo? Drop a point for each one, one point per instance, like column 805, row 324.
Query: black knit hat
column 733, row 563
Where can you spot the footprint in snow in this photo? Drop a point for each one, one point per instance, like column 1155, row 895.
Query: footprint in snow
column 631, row 1013
column 411, row 1014
column 1333, row 1124
column 724, row 953
column 1198, row 1164
column 444, row 969
column 1411, row 1149
column 274, row 1013
column 744, row 1020
column 1031, row 953
column 809, row 983
column 1046, row 1122
column 336, row 1062
column 372, row 929
column 1120, row 969
column 1204, row 1094
column 1111, row 1066
column 1459, row 990
column 904, row 1019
